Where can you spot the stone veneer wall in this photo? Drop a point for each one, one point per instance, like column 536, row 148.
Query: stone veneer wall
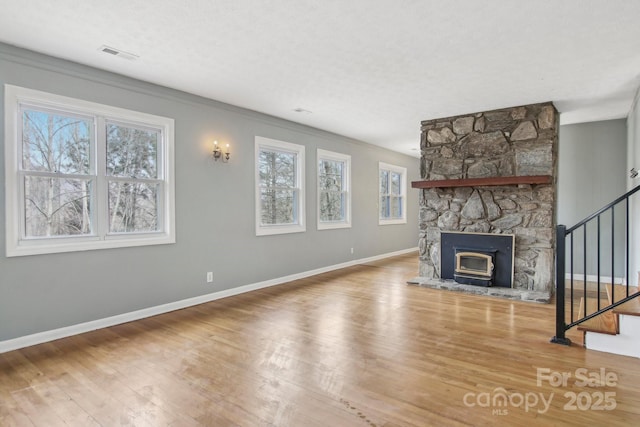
column 507, row 142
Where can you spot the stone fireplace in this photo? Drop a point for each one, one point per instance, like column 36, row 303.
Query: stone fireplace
column 492, row 172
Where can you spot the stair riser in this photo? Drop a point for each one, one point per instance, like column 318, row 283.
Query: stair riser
column 627, row 343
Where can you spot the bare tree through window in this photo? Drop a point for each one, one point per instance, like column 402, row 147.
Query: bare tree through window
column 59, row 177
column 82, row 175
column 331, row 185
column 56, row 152
column 392, row 193
column 279, row 194
column 132, row 156
column 280, row 203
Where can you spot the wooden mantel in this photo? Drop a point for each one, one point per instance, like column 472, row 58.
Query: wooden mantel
column 480, row 182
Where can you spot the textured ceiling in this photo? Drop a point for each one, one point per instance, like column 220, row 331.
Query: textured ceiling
column 367, row 69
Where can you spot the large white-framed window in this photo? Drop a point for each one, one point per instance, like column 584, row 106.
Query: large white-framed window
column 392, row 200
column 280, row 197
column 334, row 190
column 81, row 175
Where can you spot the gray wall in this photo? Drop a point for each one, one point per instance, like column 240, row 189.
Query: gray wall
column 633, row 161
column 592, row 173
column 214, row 209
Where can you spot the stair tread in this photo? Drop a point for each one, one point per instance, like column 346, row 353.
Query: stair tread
column 605, row 323
column 620, row 292
column 630, row 308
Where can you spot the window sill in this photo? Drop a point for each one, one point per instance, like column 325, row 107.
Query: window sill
column 392, row 221
column 279, row 229
column 333, row 225
column 39, row 247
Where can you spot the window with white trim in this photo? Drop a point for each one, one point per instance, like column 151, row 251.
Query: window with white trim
column 334, row 195
column 393, row 194
column 82, row 175
column 280, row 198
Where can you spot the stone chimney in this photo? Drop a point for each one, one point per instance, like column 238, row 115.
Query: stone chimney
column 510, row 142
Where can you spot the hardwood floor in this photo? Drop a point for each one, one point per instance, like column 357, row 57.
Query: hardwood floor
column 355, row 347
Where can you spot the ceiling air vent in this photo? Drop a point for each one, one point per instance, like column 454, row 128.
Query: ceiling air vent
column 119, row 53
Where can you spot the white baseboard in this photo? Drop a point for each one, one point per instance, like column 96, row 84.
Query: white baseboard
column 54, row 334
column 593, row 278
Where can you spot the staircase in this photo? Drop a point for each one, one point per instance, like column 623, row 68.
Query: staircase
column 608, row 314
column 616, row 330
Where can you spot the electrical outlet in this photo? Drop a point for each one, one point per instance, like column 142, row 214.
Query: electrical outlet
column 351, row 251
column 210, row 277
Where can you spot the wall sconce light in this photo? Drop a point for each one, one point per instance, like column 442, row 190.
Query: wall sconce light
column 218, row 154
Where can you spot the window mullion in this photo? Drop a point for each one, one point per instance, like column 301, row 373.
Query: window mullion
column 21, row 176
column 129, row 179
column 161, row 176
column 57, row 175
column 21, row 203
column 101, row 200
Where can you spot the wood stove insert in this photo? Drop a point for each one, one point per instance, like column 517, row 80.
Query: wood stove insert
column 477, row 258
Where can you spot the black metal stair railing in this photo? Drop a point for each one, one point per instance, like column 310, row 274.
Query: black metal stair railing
column 574, row 290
